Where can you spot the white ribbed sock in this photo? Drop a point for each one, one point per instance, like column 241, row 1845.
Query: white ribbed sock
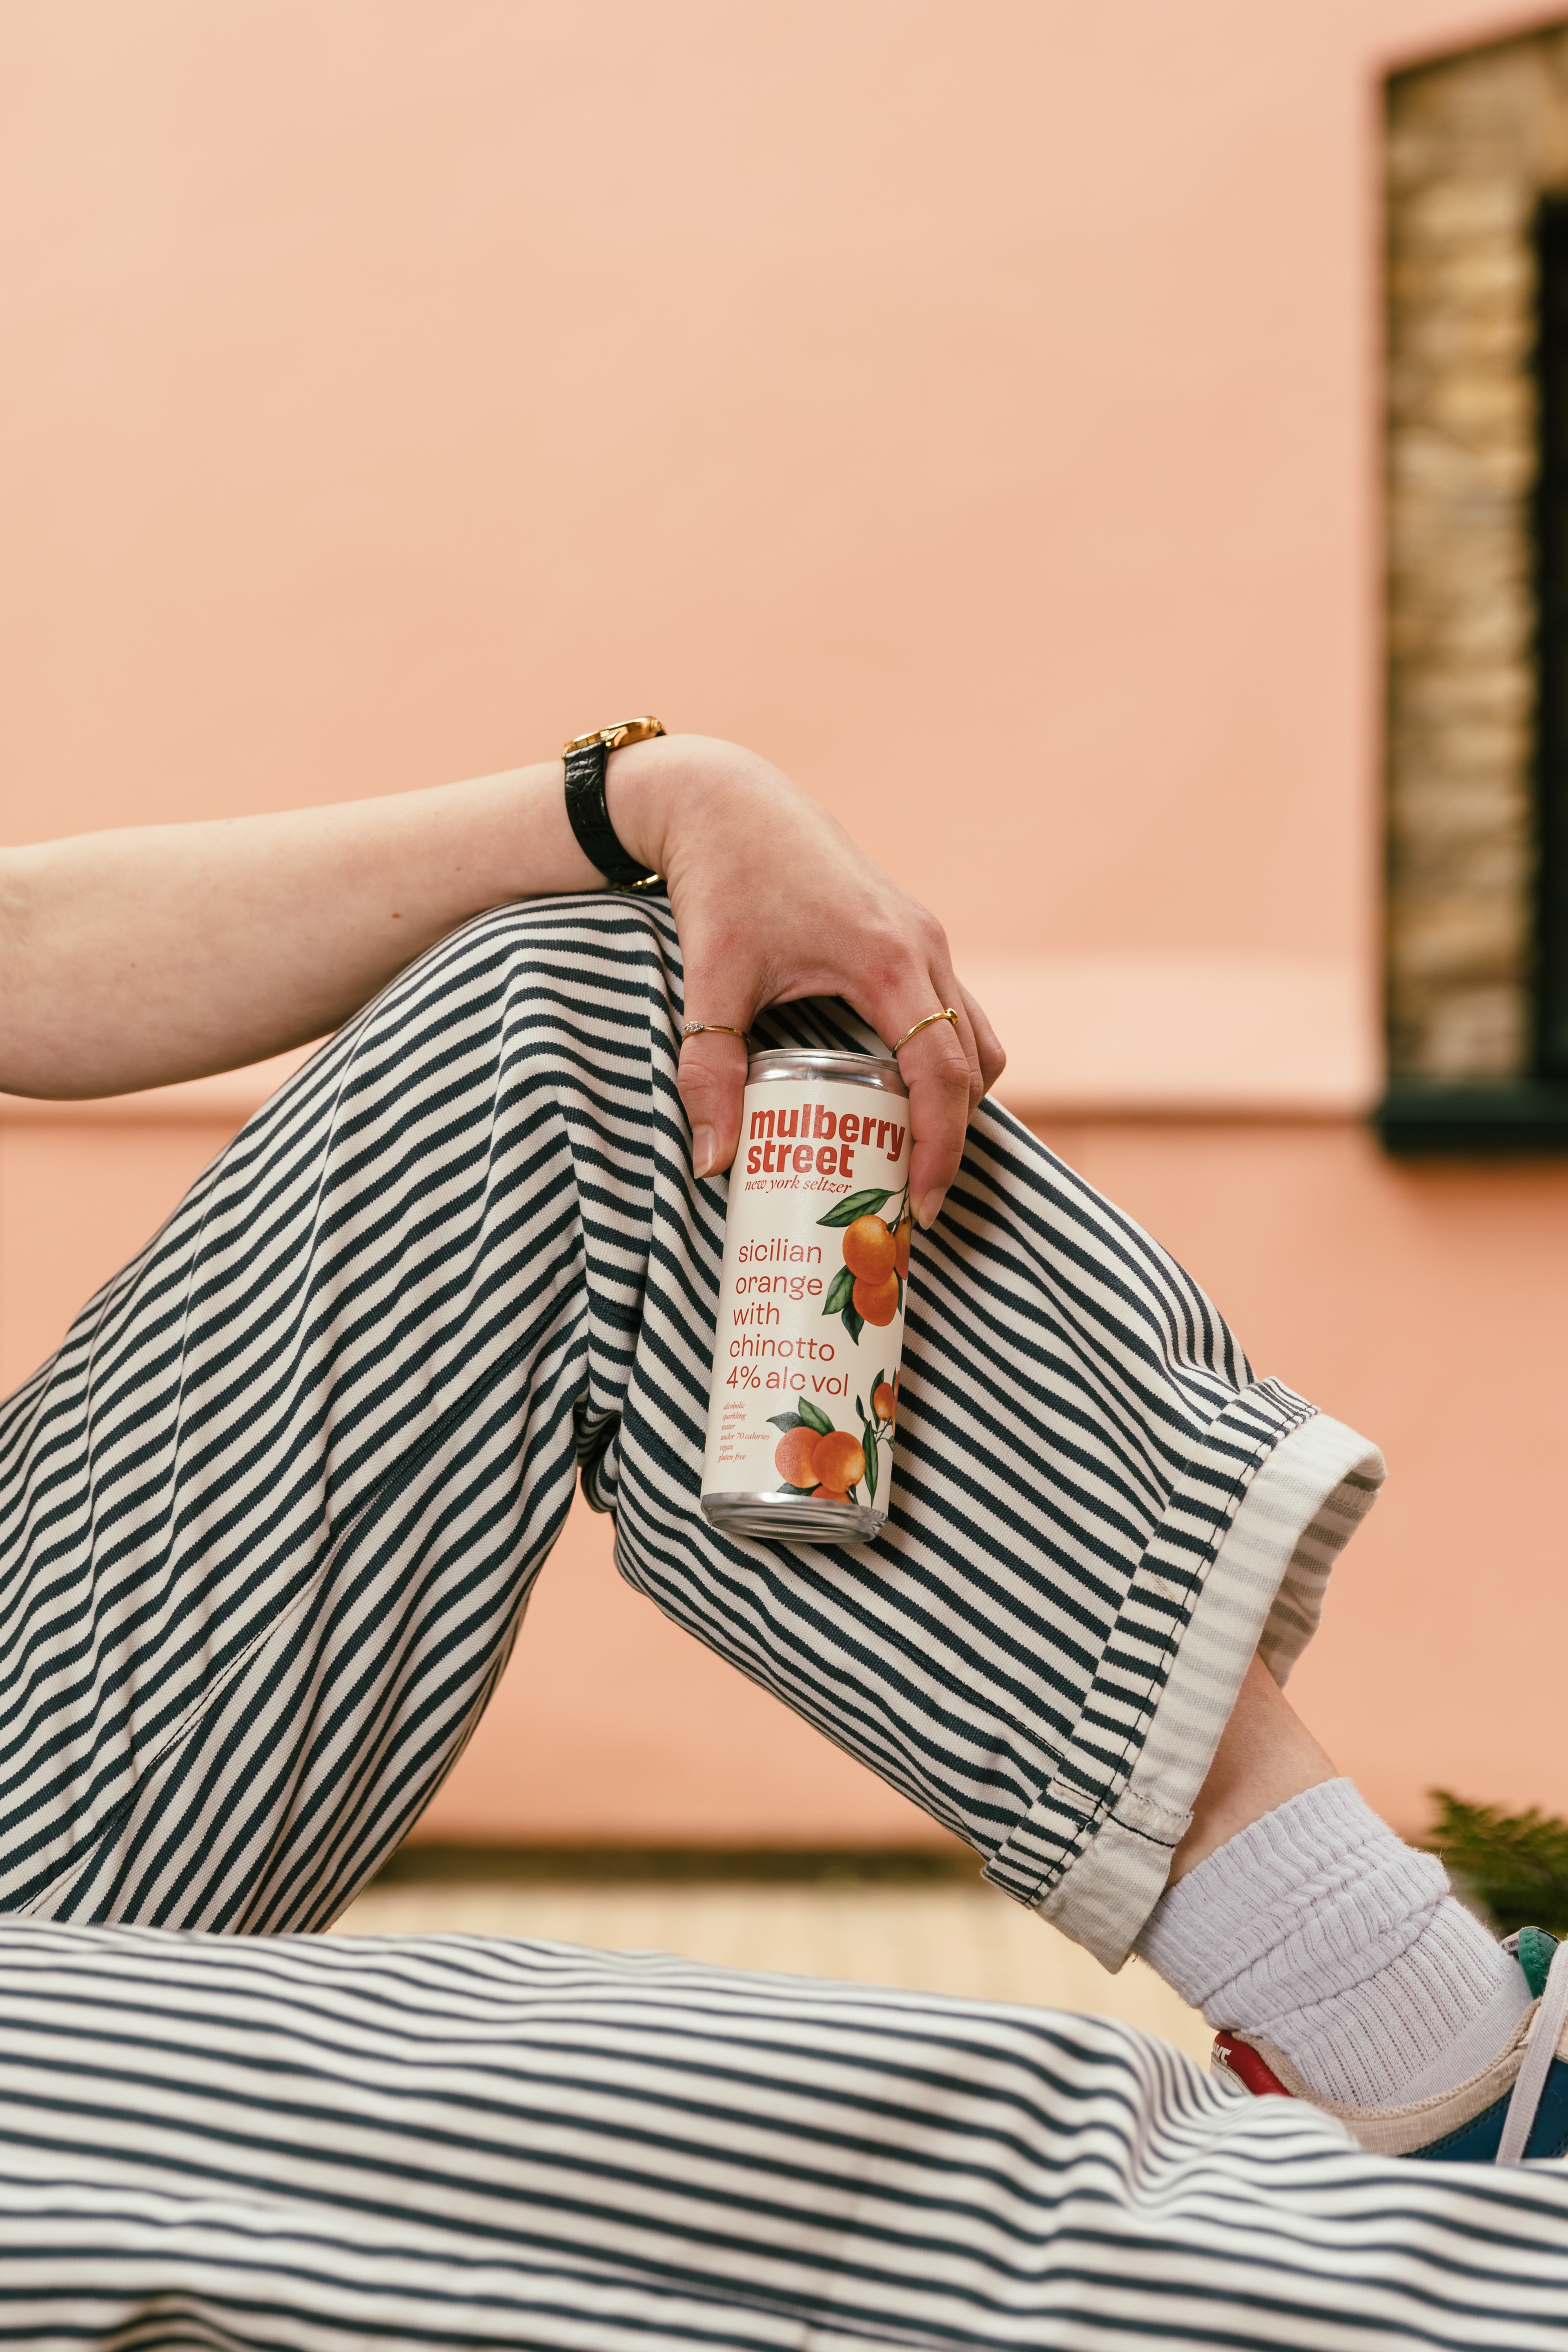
column 1324, row 1933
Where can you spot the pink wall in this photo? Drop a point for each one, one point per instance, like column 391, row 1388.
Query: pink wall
column 388, row 388
column 976, row 409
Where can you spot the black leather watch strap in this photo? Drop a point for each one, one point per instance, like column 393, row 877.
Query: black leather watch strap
column 590, row 818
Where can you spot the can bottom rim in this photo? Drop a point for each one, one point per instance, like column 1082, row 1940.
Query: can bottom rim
column 793, row 1518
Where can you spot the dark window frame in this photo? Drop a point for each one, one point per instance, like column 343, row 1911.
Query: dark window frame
column 1550, row 520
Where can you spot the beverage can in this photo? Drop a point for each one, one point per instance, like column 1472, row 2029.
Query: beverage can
column 811, row 1301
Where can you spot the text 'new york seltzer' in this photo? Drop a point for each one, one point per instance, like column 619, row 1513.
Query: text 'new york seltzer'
column 811, row 1301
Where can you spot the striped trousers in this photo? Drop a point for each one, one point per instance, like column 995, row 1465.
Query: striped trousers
column 268, row 1523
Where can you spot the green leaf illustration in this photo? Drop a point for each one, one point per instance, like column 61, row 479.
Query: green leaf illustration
column 814, row 1417
column 794, row 1490
column 840, row 1291
column 875, row 1384
column 784, row 1420
column 861, row 1411
column 854, row 1324
column 871, row 1463
column 858, row 1204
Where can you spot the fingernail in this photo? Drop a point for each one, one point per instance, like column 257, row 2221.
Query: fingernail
column 930, row 1210
column 704, row 1150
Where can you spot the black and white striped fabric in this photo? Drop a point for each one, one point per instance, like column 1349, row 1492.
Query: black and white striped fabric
column 268, row 1526
column 327, row 2142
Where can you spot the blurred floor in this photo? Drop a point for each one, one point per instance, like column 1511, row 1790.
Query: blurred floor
column 929, row 1927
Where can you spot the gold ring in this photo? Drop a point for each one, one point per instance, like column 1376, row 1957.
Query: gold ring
column 946, row 1014
column 698, row 1028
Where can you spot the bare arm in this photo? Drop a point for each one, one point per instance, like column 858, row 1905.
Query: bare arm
column 131, row 958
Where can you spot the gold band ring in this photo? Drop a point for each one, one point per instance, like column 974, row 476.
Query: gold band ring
column 700, row 1028
column 946, row 1014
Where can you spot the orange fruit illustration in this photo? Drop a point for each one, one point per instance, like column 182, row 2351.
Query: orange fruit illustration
column 884, row 1404
column 901, row 1245
column 793, row 1456
column 878, row 1302
column 868, row 1250
column 827, row 1494
column 840, row 1461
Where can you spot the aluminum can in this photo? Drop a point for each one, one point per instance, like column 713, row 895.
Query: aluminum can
column 811, row 1301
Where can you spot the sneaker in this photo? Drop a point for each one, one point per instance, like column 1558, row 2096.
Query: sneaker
column 1515, row 2111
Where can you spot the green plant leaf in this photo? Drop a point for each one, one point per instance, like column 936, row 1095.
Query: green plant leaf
column 854, row 1324
column 861, row 1411
column 1516, row 1863
column 872, row 1464
column 858, row 1204
column 815, row 1418
column 840, row 1291
column 875, row 1384
column 784, row 1421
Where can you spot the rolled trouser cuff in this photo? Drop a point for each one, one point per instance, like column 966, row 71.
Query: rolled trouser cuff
column 1238, row 1564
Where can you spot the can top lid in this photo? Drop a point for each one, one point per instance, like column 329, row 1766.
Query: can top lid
column 823, row 1062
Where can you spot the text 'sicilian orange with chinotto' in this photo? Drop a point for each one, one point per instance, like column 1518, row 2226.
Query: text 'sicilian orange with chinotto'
column 811, row 1301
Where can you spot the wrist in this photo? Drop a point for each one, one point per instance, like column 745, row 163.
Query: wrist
column 645, row 787
column 639, row 783
column 673, row 780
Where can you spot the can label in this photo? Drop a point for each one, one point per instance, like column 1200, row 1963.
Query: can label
column 811, row 1301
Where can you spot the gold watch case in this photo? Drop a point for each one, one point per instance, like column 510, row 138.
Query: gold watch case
column 615, row 739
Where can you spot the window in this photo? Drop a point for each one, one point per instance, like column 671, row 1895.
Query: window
column 1477, row 600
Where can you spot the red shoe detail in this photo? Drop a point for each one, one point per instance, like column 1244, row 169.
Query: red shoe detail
column 1240, row 2059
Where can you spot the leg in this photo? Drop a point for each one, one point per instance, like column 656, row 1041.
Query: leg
column 331, row 2142
column 1266, row 1755
column 269, row 1521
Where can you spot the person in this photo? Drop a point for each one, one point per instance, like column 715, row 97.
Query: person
column 268, row 1523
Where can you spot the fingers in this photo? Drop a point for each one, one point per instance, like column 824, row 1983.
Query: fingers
column 712, row 1079
column 988, row 1045
column 953, row 1000
column 942, row 1065
column 724, row 984
column 940, row 1070
column 958, row 1056
column 937, row 1067
column 987, row 1059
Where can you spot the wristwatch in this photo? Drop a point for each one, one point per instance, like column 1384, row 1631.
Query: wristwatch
column 587, row 756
